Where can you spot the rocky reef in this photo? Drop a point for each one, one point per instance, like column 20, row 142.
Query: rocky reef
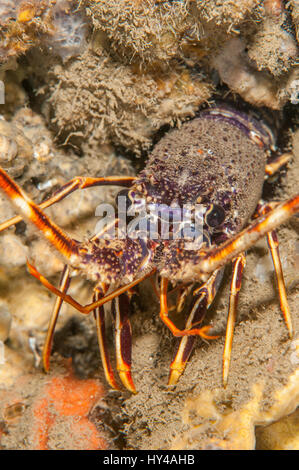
column 87, row 88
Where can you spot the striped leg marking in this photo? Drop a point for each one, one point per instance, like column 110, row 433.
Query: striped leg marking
column 206, row 294
column 123, row 339
column 273, row 244
column 64, row 285
column 85, row 309
column 176, row 331
column 99, row 314
column 238, row 267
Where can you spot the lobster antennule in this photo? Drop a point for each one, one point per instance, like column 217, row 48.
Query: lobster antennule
column 55, row 236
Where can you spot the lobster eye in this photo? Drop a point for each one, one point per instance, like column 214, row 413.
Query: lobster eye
column 215, row 216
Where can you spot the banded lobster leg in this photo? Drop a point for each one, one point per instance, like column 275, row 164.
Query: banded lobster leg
column 64, row 285
column 123, row 335
column 239, row 264
column 169, row 323
column 273, row 244
column 99, row 314
column 272, row 167
column 276, row 163
column 205, row 295
column 63, row 243
column 123, row 338
column 100, row 325
column 235, row 286
column 31, row 211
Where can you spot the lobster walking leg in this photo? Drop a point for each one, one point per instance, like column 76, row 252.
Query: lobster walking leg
column 99, row 314
column 238, row 266
column 274, row 250
column 277, row 163
column 123, row 339
column 85, row 309
column 64, row 285
column 206, row 294
column 169, row 323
